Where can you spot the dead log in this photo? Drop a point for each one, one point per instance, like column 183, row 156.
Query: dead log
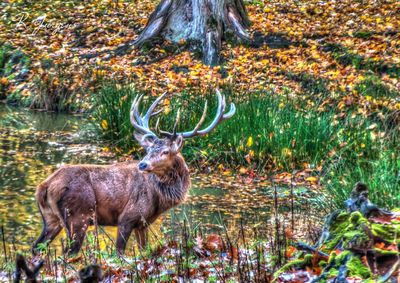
column 360, row 241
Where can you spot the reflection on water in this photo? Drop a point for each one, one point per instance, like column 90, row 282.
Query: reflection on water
column 33, row 144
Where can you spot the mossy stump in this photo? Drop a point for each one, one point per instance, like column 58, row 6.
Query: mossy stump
column 360, row 243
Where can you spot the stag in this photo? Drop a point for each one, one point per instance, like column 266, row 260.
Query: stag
column 129, row 195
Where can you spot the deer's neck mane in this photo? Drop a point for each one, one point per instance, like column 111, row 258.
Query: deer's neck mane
column 174, row 184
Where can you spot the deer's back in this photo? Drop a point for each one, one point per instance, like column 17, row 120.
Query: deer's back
column 107, row 188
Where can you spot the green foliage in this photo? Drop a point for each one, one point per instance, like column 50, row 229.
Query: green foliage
column 53, row 92
column 110, row 114
column 346, row 57
column 381, row 174
column 14, row 64
column 43, row 247
column 373, row 86
column 363, row 34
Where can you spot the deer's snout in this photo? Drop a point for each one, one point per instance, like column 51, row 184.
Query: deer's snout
column 143, row 166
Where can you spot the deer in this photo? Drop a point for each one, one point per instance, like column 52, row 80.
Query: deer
column 130, row 195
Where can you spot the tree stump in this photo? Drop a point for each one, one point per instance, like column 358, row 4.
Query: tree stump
column 358, row 242
column 203, row 23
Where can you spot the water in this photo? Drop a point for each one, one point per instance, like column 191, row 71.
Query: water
column 33, row 144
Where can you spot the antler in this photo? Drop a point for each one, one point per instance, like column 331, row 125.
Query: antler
column 141, row 124
column 219, row 117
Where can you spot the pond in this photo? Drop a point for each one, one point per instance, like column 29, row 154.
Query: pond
column 33, row 144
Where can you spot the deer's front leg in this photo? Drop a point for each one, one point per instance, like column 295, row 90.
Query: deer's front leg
column 141, row 237
column 124, row 231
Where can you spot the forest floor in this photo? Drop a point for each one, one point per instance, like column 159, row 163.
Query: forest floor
column 301, row 46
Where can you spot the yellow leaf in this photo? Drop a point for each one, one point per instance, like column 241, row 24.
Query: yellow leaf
column 249, row 141
column 4, row 81
column 104, row 124
column 286, row 152
column 312, row 179
column 251, row 153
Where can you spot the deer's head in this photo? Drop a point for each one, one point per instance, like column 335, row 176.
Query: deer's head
column 162, row 151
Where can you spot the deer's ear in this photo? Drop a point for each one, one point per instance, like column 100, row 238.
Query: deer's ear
column 177, row 143
column 144, row 140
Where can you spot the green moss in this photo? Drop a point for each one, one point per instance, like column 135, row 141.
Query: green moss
column 298, row 264
column 332, row 258
column 347, row 229
column 387, row 232
column 354, row 237
column 386, row 252
column 357, row 268
column 342, row 256
column 353, row 263
column 332, row 273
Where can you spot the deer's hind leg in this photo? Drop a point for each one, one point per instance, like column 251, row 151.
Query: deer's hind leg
column 51, row 228
column 76, row 231
column 77, row 208
column 141, row 237
column 124, row 231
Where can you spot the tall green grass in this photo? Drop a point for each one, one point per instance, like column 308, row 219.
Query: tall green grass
column 265, row 131
column 269, row 132
column 382, row 175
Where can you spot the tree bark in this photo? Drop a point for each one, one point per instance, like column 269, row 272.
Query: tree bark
column 201, row 22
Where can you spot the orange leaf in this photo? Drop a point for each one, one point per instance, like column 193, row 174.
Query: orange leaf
column 380, row 245
column 290, row 250
column 214, row 243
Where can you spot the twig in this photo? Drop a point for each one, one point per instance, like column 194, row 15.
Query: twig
column 389, row 274
column 4, row 244
column 304, row 247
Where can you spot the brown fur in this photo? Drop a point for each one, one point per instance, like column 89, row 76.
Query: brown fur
column 76, row 196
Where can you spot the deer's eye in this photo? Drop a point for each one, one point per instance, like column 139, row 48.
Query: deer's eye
column 165, row 152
